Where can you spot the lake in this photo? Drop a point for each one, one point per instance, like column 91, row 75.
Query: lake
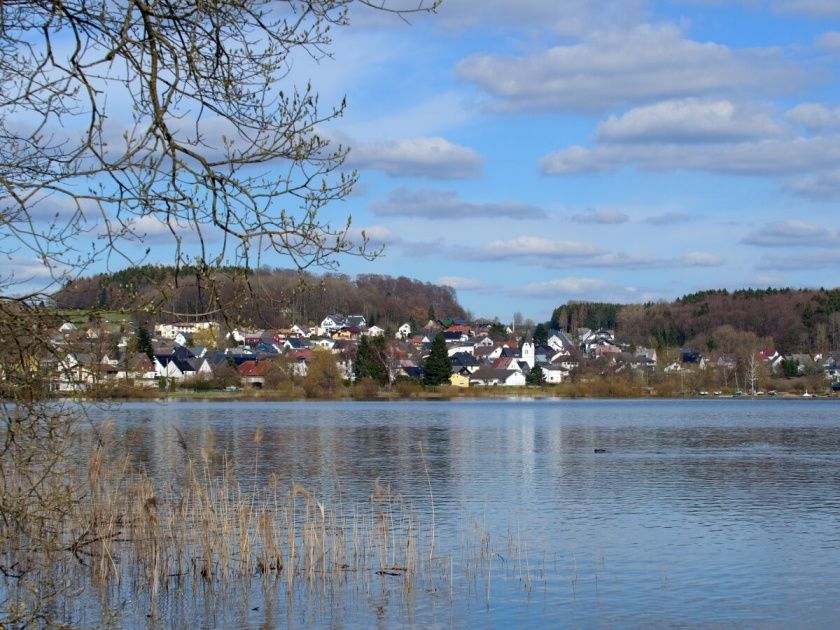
column 585, row 513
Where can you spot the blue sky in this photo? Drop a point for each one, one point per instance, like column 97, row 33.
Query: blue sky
column 532, row 152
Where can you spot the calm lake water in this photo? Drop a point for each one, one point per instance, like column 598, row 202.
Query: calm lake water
column 698, row 513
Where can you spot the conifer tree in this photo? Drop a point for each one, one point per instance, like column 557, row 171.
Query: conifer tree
column 144, row 343
column 536, row 376
column 370, row 359
column 437, row 368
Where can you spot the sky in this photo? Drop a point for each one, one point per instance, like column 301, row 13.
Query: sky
column 532, row 152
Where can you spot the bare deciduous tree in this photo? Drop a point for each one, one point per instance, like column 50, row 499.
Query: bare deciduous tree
column 126, row 119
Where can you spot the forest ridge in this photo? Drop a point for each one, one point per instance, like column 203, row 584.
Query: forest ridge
column 794, row 320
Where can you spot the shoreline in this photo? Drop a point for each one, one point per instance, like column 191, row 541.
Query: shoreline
column 394, row 396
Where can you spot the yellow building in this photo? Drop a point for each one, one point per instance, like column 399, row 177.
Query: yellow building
column 459, row 380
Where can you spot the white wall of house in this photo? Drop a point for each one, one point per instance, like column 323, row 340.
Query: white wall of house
column 528, row 353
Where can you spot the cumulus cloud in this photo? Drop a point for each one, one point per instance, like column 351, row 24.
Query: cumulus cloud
column 815, row 117
column 809, row 8
column 821, row 186
column 620, row 67
column 565, row 18
column 586, row 288
column 376, row 235
column 827, row 259
column 547, row 253
column 431, row 157
column 668, row 218
column 829, row 41
column 690, row 120
column 607, row 216
column 760, row 157
column 538, row 246
column 460, row 283
column 794, row 233
column 438, row 204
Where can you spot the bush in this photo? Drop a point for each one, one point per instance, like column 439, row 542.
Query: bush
column 365, row 389
column 407, row 387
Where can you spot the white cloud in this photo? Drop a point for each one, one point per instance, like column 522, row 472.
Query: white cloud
column 607, row 216
column 618, row 67
column 550, row 254
column 594, row 289
column 460, row 283
column 690, row 120
column 809, row 8
column 699, row 259
column 668, row 218
column 827, row 259
column 562, row 17
column 794, row 233
column 438, row 204
column 417, row 157
column 829, row 41
column 815, row 117
column 535, row 246
column 377, row 235
column 824, row 186
column 762, row 157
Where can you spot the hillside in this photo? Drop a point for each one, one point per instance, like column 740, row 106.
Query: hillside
column 264, row 297
column 794, row 320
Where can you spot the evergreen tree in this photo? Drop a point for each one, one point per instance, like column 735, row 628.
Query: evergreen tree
column 790, row 368
column 536, row 376
column 370, row 359
column 144, row 343
column 540, row 335
column 497, row 332
column 431, row 313
column 437, row 368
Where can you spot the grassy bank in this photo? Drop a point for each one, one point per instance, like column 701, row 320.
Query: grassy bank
column 600, row 389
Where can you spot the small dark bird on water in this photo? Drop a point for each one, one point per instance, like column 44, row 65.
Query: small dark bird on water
column 600, row 450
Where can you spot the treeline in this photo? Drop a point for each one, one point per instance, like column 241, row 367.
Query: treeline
column 263, row 297
column 795, row 320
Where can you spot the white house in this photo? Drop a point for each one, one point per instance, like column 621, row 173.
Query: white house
column 374, row 331
column 456, row 347
column 67, row 327
column 301, row 331
column 484, row 342
column 170, row 331
column 554, row 374
column 489, row 377
column 403, row 332
column 528, row 353
column 333, row 322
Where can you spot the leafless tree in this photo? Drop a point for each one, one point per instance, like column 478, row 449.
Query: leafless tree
column 123, row 120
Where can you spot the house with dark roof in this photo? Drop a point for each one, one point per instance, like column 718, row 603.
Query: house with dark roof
column 464, row 360
column 487, row 376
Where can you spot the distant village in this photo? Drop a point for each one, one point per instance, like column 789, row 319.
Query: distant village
column 482, row 353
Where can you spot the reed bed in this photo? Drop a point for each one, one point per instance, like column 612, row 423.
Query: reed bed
column 211, row 528
column 216, row 528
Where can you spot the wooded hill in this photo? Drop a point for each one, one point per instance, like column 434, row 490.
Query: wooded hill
column 794, row 320
column 262, row 298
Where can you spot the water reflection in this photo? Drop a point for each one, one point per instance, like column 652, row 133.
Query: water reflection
column 697, row 512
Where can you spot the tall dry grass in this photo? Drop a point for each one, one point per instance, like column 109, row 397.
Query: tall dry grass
column 212, row 528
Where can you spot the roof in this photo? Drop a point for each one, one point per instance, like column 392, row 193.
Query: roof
column 463, row 359
column 413, row 371
column 254, row 368
column 489, row 374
